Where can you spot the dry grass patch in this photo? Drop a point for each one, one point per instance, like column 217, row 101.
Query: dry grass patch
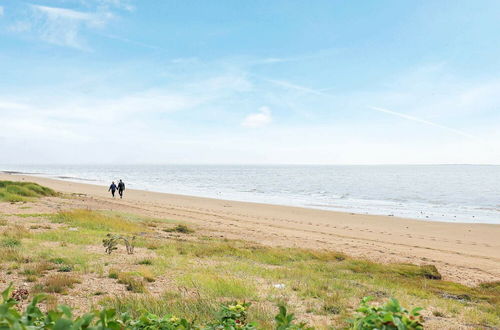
column 146, row 273
column 38, row 269
column 133, row 282
column 16, row 231
column 58, row 283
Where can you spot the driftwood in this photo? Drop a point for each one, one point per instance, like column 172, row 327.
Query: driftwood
column 111, row 242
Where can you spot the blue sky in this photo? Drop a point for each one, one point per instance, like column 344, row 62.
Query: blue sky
column 320, row 82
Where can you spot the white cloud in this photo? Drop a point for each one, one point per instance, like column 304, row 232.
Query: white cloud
column 62, row 26
column 63, row 13
column 259, row 119
column 1, row 11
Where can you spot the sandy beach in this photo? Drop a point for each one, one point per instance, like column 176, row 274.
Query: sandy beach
column 466, row 253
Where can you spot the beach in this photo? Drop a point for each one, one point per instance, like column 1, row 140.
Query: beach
column 463, row 252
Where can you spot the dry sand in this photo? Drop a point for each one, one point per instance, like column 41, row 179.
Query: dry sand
column 466, row 253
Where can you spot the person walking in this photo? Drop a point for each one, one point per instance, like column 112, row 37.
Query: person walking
column 121, row 188
column 113, row 188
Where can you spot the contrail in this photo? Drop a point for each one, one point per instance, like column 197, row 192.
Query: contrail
column 378, row 109
column 423, row 121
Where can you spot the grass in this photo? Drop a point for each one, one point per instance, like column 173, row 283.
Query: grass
column 220, row 286
column 10, row 242
column 145, row 262
column 11, row 191
column 179, row 229
column 96, row 221
column 132, row 281
column 198, row 274
column 38, row 269
column 58, row 283
column 146, row 273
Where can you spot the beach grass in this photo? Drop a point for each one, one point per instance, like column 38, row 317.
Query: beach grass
column 189, row 274
column 11, row 191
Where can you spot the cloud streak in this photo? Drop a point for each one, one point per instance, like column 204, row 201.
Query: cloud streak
column 378, row 109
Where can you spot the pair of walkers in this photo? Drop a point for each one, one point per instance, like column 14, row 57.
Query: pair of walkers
column 120, row 187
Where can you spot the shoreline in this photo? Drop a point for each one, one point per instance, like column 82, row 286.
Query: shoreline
column 412, row 210
column 464, row 252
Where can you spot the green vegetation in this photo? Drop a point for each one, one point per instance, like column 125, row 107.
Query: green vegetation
column 179, row 229
column 389, row 316
column 192, row 276
column 11, row 191
column 96, row 221
column 230, row 316
column 57, row 283
column 132, row 281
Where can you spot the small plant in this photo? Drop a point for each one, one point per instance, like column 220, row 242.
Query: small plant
column 111, row 242
column 113, row 273
column 285, row 321
column 233, row 316
column 179, row 229
column 65, row 269
column 145, row 262
column 389, row 316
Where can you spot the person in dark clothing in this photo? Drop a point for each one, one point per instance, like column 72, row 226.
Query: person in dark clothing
column 121, row 188
column 113, row 188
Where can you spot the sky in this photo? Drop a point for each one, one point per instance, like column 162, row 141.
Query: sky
column 249, row 82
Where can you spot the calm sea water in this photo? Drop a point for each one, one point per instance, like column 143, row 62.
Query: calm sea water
column 457, row 193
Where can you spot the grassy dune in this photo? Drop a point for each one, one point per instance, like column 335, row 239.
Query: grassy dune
column 22, row 191
column 190, row 275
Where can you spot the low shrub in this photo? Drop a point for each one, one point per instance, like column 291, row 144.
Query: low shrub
column 179, row 229
column 65, row 269
column 389, row 316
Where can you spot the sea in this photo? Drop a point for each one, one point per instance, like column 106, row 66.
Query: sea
column 451, row 193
